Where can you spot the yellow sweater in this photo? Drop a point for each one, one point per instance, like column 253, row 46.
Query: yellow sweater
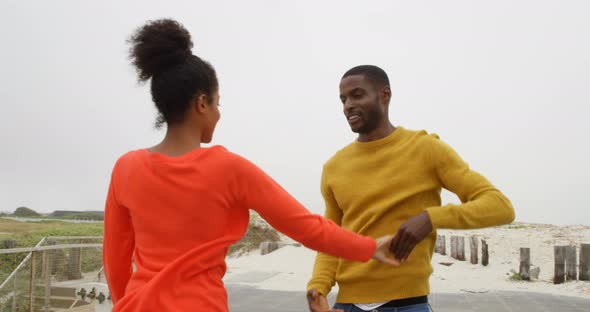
column 372, row 188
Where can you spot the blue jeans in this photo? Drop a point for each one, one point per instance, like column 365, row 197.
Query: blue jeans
column 422, row 307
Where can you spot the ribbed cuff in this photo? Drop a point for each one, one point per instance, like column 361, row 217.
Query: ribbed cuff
column 323, row 289
column 438, row 216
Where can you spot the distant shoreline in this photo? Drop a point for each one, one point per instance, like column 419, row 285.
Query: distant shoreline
column 30, row 219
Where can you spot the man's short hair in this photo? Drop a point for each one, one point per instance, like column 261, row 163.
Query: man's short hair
column 374, row 74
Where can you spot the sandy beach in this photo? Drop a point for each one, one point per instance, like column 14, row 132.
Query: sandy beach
column 289, row 268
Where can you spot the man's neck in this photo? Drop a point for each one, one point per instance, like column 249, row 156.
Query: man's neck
column 377, row 133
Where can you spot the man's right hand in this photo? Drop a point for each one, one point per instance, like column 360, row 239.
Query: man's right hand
column 382, row 252
column 318, row 303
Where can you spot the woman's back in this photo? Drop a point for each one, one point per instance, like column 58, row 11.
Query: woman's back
column 177, row 217
column 178, row 202
column 184, row 215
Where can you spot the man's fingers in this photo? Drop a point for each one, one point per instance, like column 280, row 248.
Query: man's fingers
column 415, row 242
column 400, row 245
column 407, row 246
column 316, row 301
column 400, row 250
column 394, row 243
column 409, row 250
column 398, row 241
column 406, row 252
column 312, row 299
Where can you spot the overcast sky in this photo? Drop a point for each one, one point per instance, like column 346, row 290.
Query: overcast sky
column 506, row 83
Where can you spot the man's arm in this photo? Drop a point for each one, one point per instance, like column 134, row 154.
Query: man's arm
column 324, row 271
column 482, row 204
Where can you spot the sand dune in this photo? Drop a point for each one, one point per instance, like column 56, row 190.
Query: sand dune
column 289, row 268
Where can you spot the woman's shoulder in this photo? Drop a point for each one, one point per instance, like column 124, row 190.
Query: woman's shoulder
column 225, row 155
column 234, row 160
column 125, row 162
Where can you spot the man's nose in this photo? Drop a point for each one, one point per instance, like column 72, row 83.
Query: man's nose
column 348, row 105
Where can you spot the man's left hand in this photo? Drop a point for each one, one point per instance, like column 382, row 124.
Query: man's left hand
column 409, row 235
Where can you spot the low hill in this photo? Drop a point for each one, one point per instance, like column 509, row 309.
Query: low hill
column 77, row 215
column 25, row 212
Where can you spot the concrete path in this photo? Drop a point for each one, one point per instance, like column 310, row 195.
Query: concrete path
column 248, row 299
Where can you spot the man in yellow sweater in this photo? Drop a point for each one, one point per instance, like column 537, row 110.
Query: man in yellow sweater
column 388, row 182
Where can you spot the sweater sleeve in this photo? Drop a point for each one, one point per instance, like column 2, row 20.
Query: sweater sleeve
column 262, row 194
column 323, row 277
column 482, row 204
column 118, row 243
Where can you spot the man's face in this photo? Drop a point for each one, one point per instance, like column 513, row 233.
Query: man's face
column 361, row 103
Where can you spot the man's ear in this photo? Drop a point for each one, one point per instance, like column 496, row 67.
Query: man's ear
column 386, row 94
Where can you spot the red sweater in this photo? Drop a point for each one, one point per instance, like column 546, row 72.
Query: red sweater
column 177, row 216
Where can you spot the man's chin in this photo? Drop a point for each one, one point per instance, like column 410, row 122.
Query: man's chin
column 357, row 129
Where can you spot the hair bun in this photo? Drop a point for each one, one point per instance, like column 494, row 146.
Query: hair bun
column 158, row 46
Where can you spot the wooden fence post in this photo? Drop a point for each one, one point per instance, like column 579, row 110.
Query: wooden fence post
column 584, row 262
column 75, row 264
column 437, row 244
column 485, row 256
column 15, row 292
column 268, row 247
column 571, row 263
column 525, row 264
column 440, row 245
column 454, row 247
column 9, row 243
column 32, row 281
column 473, row 249
column 461, row 248
column 47, row 278
column 559, row 273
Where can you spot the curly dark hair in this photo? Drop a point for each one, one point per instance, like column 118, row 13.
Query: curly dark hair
column 161, row 51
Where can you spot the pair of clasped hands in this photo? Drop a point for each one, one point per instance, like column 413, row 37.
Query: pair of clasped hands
column 392, row 250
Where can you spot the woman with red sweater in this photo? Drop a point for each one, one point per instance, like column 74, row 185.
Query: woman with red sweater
column 176, row 207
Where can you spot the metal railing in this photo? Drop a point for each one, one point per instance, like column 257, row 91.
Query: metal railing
column 51, row 273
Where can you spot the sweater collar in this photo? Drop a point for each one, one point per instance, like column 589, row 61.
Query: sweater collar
column 391, row 138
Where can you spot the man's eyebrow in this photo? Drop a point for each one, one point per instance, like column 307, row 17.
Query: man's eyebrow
column 357, row 89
